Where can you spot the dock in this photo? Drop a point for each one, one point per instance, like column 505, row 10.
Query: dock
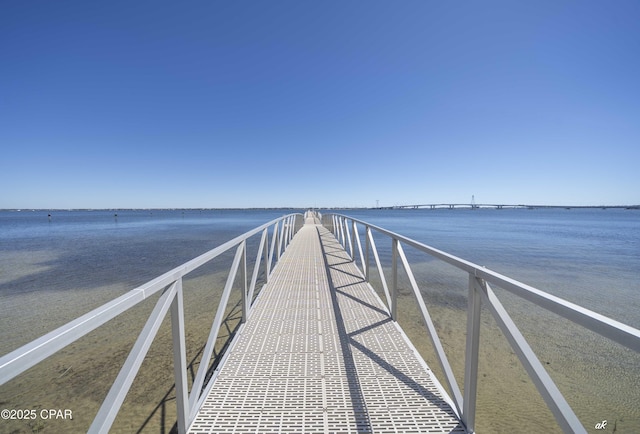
column 320, row 354
column 317, row 350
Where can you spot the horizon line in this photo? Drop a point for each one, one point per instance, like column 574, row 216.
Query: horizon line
column 420, row 206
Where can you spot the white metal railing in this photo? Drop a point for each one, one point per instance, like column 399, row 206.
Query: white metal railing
column 171, row 299
column 346, row 231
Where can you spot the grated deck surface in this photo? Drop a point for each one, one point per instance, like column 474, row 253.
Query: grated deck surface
column 319, row 354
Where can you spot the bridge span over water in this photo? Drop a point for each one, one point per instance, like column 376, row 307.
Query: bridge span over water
column 318, row 350
column 504, row 206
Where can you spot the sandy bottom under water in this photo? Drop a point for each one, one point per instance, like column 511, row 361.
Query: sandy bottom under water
column 600, row 380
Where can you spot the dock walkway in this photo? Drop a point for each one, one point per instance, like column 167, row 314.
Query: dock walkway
column 320, row 354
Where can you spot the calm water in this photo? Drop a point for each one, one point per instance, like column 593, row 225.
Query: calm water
column 89, row 249
column 588, row 256
column 591, row 257
column 54, row 269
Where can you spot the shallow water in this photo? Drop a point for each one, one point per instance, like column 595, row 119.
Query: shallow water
column 589, row 257
column 54, row 269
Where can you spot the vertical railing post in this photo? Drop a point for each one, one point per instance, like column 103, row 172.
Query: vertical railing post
column 348, row 242
column 292, row 222
column 352, row 238
column 347, row 237
column 280, row 235
column 471, row 354
column 274, row 242
column 180, row 359
column 243, row 283
column 366, row 267
column 285, row 236
column 394, row 287
column 294, row 218
column 357, row 243
column 265, row 255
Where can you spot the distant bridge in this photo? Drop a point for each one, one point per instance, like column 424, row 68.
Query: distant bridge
column 503, row 206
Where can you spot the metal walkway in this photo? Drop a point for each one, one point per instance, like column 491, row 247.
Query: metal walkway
column 320, row 354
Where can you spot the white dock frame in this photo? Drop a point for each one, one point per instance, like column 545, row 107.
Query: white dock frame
column 321, row 354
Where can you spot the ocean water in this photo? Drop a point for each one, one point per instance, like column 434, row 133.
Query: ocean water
column 587, row 256
column 56, row 265
column 61, row 250
column 54, row 268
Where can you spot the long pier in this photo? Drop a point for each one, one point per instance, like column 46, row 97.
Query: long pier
column 321, row 354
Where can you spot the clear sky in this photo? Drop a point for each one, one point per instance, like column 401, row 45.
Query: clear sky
column 329, row 103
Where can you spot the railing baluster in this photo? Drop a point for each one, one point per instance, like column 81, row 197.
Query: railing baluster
column 289, row 230
column 348, row 243
column 265, row 254
column 274, row 242
column 278, row 241
column 243, row 283
column 367, row 272
column 471, row 354
column 285, row 238
column 352, row 241
column 281, row 238
column 180, row 359
column 293, row 227
column 394, row 280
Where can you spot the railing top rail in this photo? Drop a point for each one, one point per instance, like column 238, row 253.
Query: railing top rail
column 605, row 326
column 21, row 359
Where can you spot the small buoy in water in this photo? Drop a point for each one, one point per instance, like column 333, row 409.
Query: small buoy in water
column 49, row 216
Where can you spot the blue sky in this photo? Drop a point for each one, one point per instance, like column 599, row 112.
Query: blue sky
column 299, row 103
